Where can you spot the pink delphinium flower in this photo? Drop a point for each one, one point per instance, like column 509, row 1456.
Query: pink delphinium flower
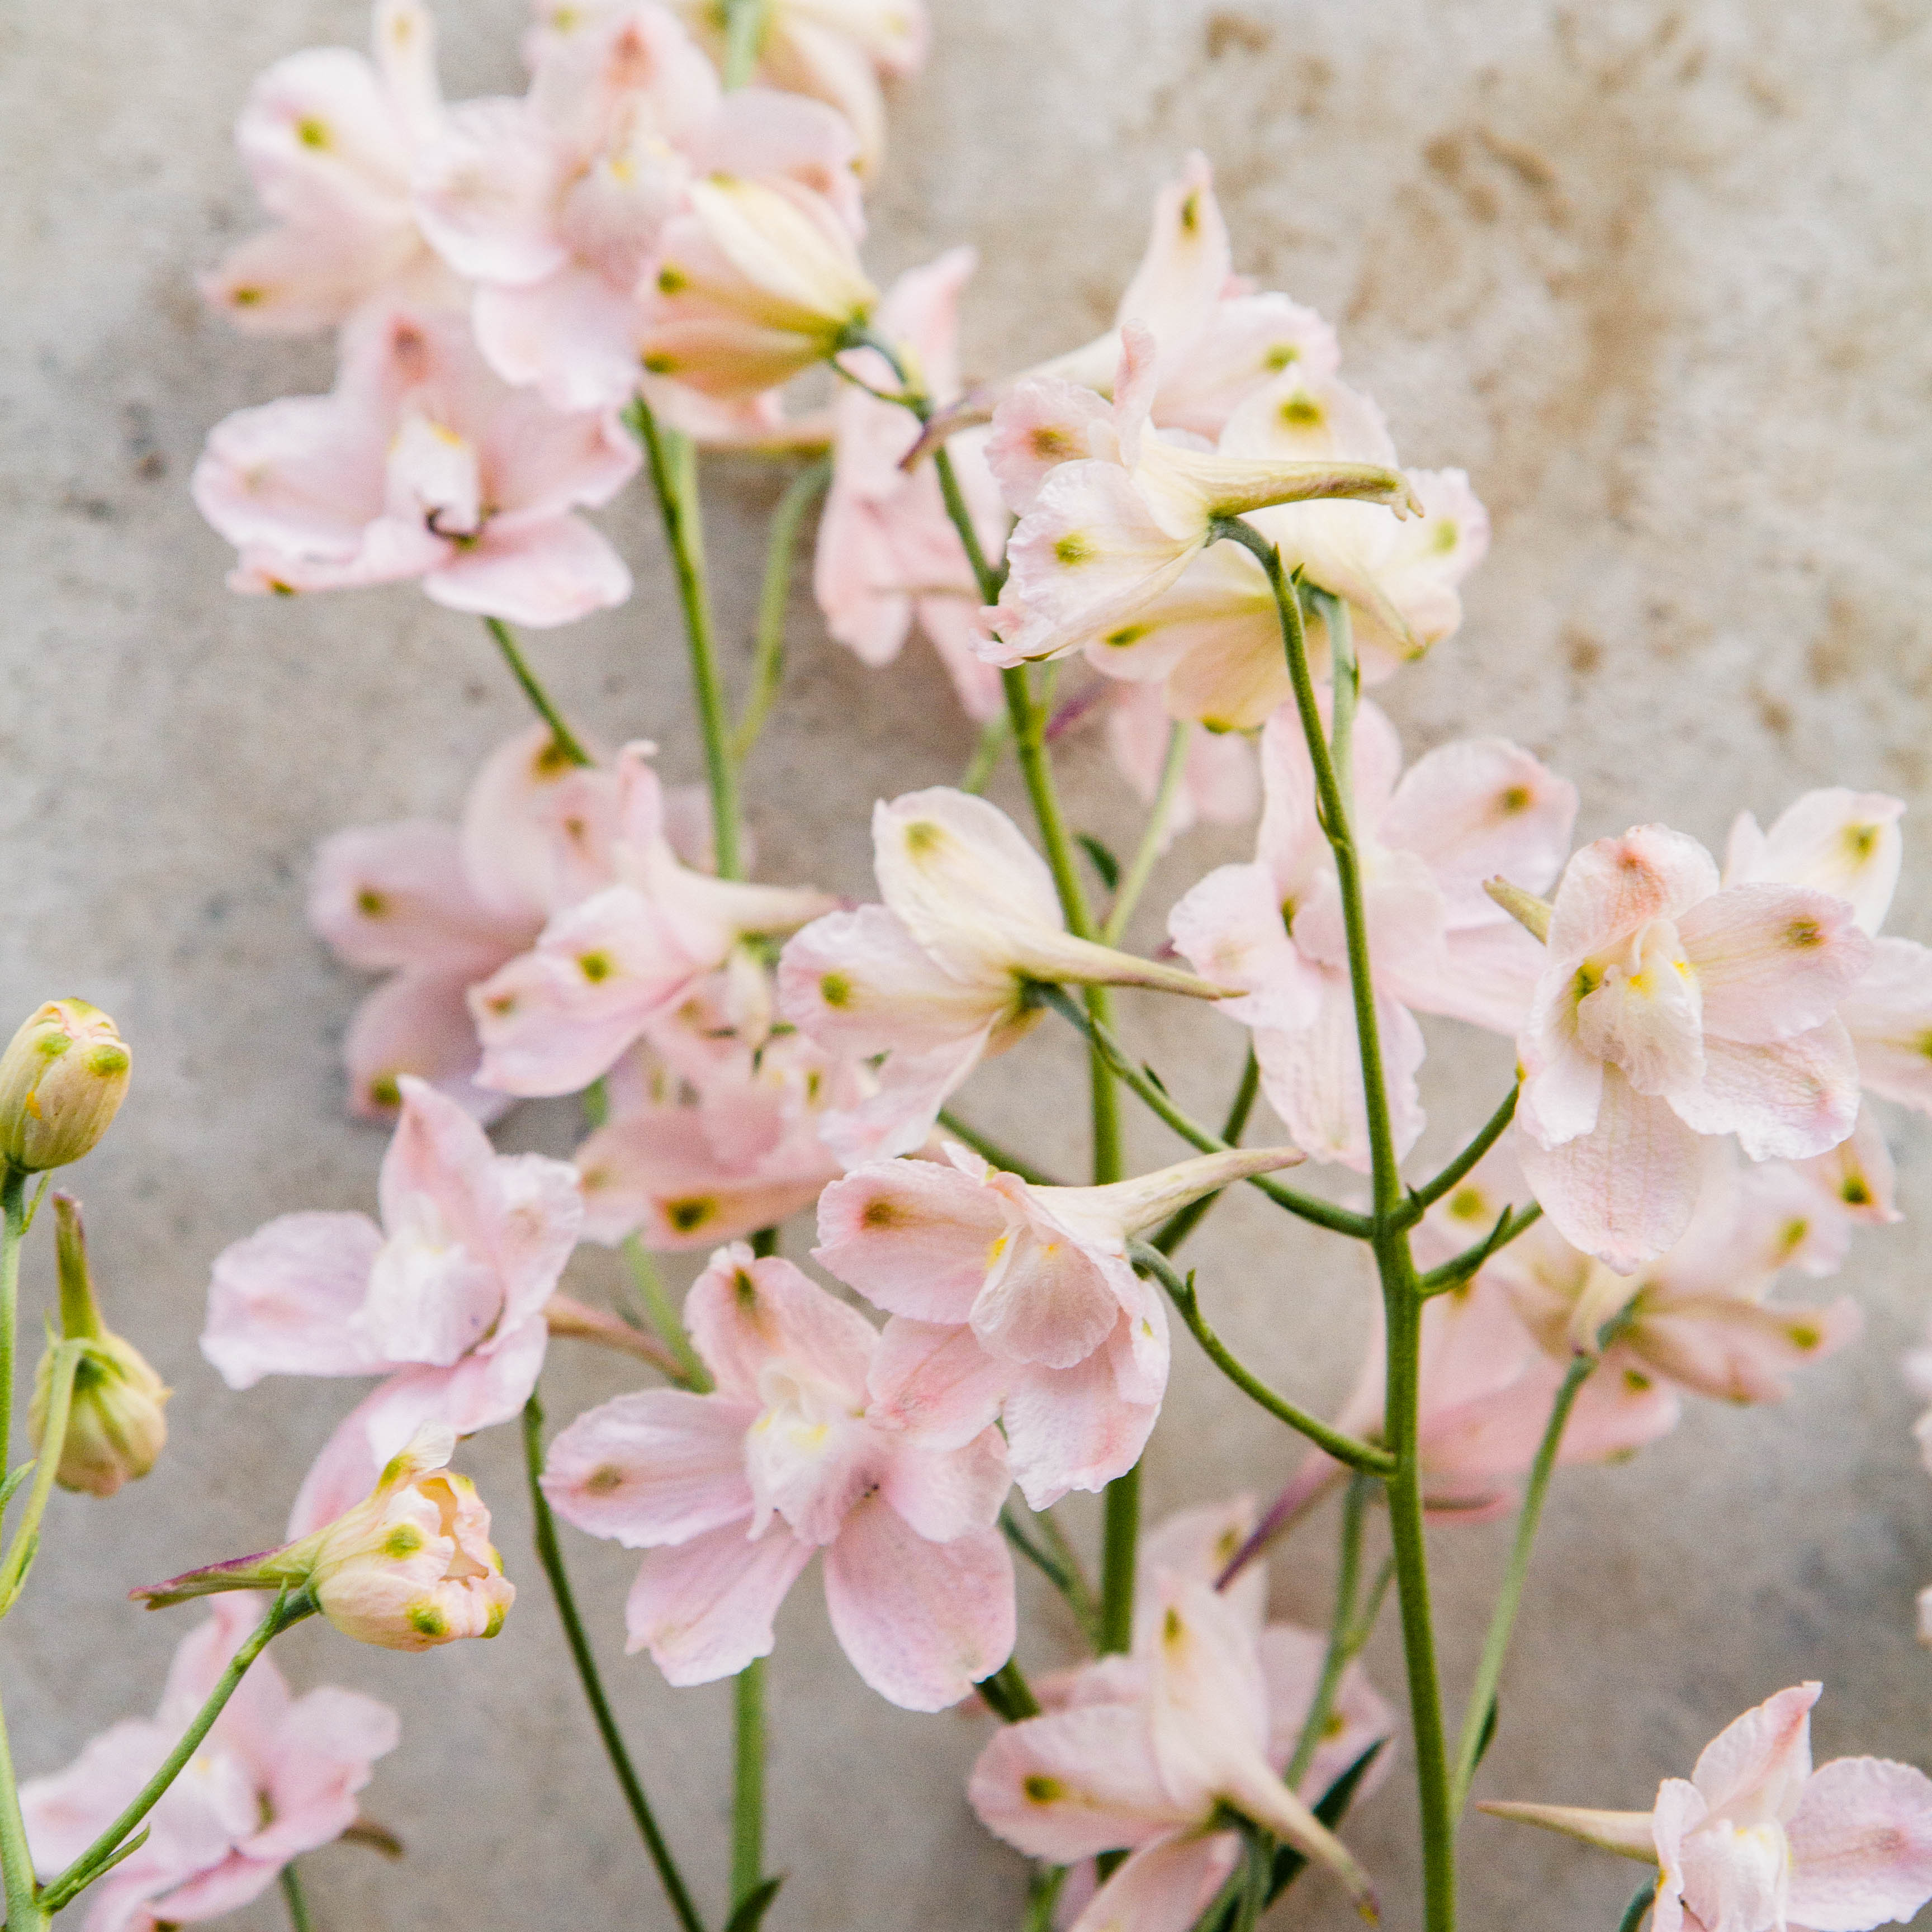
column 277, row 1776
column 731, row 1492
column 888, row 555
column 446, row 1299
column 421, row 463
column 1148, row 1753
column 1220, row 780
column 553, row 204
column 1670, row 1007
column 1429, row 838
column 329, row 140
column 1756, row 1840
column 1013, row 1301
column 936, row 977
column 556, row 1018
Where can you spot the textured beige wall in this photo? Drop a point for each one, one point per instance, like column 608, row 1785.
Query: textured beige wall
column 1656, row 273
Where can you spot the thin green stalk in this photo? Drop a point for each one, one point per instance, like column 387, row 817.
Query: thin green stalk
column 774, row 598
column 1342, row 1633
column 747, row 1781
column 992, row 1151
column 1258, row 1851
column 1140, row 868
column 672, row 459
column 649, row 1285
column 1183, row 1221
column 993, row 735
column 744, row 36
column 287, row 1609
column 1323, row 1213
column 294, row 1898
column 13, row 1228
column 1008, row 1694
column 551, row 1556
column 1421, row 1199
column 990, row 579
column 1064, row 1577
column 1641, row 1900
column 1511, row 1222
column 26, row 1911
column 1364, row 1457
column 1402, row 1300
column 1502, row 1619
column 1119, row 1535
column 561, row 735
column 20, row 1551
column 1045, row 1895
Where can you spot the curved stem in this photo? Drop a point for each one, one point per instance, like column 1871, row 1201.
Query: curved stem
column 1140, row 868
column 1060, row 1567
column 1421, row 1199
column 1008, row 1694
column 986, row 754
column 747, row 1781
column 1512, row 1221
column 561, row 734
column 27, row 1911
column 1641, row 1900
column 774, row 597
column 649, row 1285
column 1364, row 1457
column 1044, row 1897
column 1342, row 1634
column 293, row 1897
column 1502, row 1620
column 13, row 1228
column 287, row 1609
column 551, row 1557
column 20, row 1551
column 1323, row 1213
column 1183, row 1222
column 672, row 460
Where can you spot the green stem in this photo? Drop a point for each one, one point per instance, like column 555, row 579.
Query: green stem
column 561, row 734
column 1422, row 1198
column 747, row 1781
column 1044, row 1897
column 26, row 1910
column 1060, row 1567
column 990, row 579
column 1641, row 1900
column 1119, row 1535
column 1402, row 1300
column 744, row 35
column 286, row 1609
column 1180, row 1225
column 1502, row 1620
column 774, row 598
column 672, row 460
column 1364, row 1457
column 991, row 1152
column 986, row 754
column 1342, row 1634
column 297, row 1902
column 1140, row 868
column 1323, row 1213
column 67, row 1356
column 1257, row 1853
column 1511, row 1222
column 1008, row 1694
column 551, row 1556
column 649, row 1285
column 13, row 1227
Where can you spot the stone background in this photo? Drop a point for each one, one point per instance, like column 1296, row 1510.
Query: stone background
column 1655, row 273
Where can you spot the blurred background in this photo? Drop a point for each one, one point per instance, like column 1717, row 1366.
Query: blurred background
column 1655, row 273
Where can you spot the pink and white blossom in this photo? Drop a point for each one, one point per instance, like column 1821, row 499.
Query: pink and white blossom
column 557, row 1017
column 329, row 139
column 421, row 463
column 1220, row 779
column 1147, row 1752
column 277, row 1776
column 732, row 1492
column 1671, row 1007
column 445, row 1299
column 888, row 556
column 936, row 978
column 1428, row 839
column 1756, row 1840
column 1016, row 1301
column 554, row 204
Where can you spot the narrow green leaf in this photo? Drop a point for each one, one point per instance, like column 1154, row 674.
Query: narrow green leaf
column 1102, row 861
column 1489, row 1736
column 1331, row 1809
column 752, row 1907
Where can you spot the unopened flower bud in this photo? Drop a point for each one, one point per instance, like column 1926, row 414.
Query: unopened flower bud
column 116, row 1428
column 61, row 1080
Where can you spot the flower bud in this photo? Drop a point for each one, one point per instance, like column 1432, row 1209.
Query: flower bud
column 61, row 1080
column 116, row 1429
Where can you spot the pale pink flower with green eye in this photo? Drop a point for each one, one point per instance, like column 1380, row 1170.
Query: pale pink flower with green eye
column 888, row 556
column 421, row 463
column 1016, row 1301
column 560, row 1015
column 1149, row 1752
column 1756, row 1840
column 938, row 977
column 554, row 204
column 1671, row 1007
column 277, row 1776
column 732, row 1492
column 445, row 1299
column 1428, row 838
column 329, row 139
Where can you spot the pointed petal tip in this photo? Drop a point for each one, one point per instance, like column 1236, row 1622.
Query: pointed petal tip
column 1529, row 912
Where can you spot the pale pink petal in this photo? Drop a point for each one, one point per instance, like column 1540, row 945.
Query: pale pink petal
column 281, row 1301
column 1230, row 928
column 744, row 1312
column 1312, row 1077
column 935, row 1382
column 1073, row 1428
column 1739, row 1350
column 1039, row 425
column 1861, row 1845
column 1292, row 1663
column 1844, row 843
column 1488, row 976
column 486, row 190
column 1198, row 1544
column 1757, row 1765
column 1888, row 1014
column 704, row 1609
column 658, row 1467
column 572, row 335
column 327, row 1746
column 1048, row 1299
column 1625, row 1190
column 1772, row 961
column 1611, row 888
column 539, row 574
column 943, row 1493
column 1073, row 1783
column 921, row 1622
column 1247, row 341
column 417, row 1024
column 1163, row 1887
column 1787, row 1101
column 913, row 1237
column 1680, row 1808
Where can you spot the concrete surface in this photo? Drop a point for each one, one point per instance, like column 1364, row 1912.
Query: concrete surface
column 1656, row 273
